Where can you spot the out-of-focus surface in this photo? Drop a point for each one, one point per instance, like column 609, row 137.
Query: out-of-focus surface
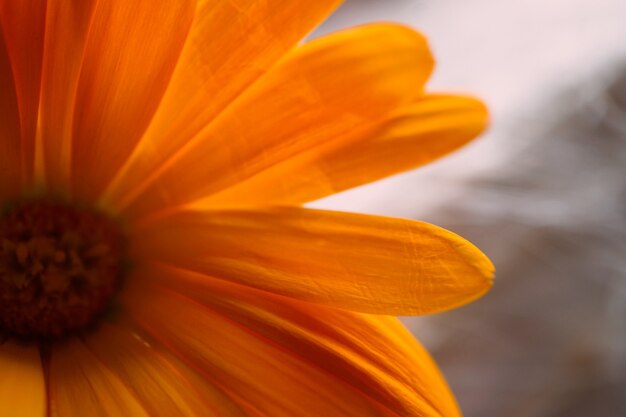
column 543, row 193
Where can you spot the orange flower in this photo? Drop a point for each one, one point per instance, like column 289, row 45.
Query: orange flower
column 181, row 138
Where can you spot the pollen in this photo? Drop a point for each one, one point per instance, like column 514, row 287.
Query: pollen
column 60, row 267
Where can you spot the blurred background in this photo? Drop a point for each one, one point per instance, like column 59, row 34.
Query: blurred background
column 543, row 193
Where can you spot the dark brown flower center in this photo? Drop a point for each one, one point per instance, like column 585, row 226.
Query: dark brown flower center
column 59, row 268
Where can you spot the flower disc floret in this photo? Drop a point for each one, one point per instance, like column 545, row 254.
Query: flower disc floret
column 59, row 268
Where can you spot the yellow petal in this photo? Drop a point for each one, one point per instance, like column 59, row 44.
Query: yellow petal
column 80, row 385
column 22, row 24
column 161, row 383
column 265, row 377
column 374, row 356
column 323, row 89
column 231, row 44
column 363, row 263
column 129, row 55
column 414, row 135
column 22, row 386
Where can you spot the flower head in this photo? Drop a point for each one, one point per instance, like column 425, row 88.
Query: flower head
column 155, row 257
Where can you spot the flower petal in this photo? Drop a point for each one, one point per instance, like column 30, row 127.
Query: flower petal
column 321, row 90
column 80, row 385
column 129, row 55
column 231, row 44
column 10, row 143
column 22, row 24
column 363, row 263
column 271, row 379
column 414, row 135
column 67, row 29
column 22, row 386
column 161, row 383
column 294, row 343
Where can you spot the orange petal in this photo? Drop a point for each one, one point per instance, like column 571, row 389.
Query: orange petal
column 67, row 29
column 10, row 141
column 375, row 356
column 267, row 378
column 80, row 385
column 23, row 24
column 414, row 135
column 129, row 56
column 231, row 44
column 22, row 386
column 161, row 383
column 321, row 90
column 363, row 263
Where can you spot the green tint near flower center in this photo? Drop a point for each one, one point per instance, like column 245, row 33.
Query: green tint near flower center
column 59, row 268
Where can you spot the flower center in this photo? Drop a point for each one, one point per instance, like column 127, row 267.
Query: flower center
column 59, row 268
